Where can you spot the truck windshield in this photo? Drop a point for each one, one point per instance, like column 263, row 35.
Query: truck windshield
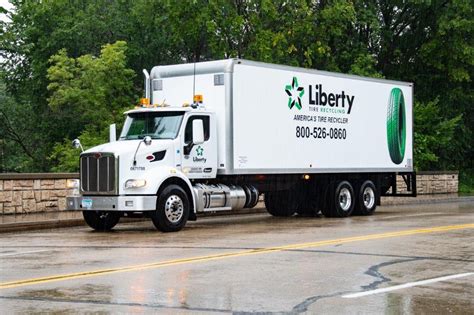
column 164, row 125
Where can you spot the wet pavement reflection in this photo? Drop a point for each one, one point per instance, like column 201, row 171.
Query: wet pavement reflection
column 235, row 264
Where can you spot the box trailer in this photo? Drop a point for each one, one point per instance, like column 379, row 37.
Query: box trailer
column 213, row 136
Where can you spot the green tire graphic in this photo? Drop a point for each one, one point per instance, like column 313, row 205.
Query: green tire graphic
column 396, row 126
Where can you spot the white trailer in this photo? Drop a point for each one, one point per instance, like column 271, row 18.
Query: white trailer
column 212, row 136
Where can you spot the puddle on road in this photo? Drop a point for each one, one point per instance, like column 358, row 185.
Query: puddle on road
column 88, row 292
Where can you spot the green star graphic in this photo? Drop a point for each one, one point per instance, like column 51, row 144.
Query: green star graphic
column 199, row 151
column 295, row 93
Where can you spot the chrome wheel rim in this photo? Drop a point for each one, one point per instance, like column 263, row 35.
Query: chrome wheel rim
column 368, row 197
column 345, row 199
column 174, row 208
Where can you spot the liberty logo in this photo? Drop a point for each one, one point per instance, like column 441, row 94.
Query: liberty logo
column 199, row 151
column 295, row 93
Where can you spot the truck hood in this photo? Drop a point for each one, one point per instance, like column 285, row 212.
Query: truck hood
column 126, row 147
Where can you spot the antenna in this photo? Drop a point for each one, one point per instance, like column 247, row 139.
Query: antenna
column 194, row 78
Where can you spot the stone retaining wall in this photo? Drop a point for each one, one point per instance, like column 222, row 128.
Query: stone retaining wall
column 428, row 183
column 27, row 193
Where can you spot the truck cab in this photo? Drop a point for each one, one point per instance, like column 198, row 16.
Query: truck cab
column 156, row 145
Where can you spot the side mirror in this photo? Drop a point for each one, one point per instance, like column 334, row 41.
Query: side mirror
column 147, row 140
column 76, row 143
column 198, row 131
column 113, row 133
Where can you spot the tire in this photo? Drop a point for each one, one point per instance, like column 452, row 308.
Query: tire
column 324, row 200
column 172, row 209
column 281, row 203
column 309, row 205
column 101, row 220
column 341, row 200
column 366, row 199
column 396, row 126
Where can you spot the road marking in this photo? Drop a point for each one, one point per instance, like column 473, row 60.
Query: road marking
column 407, row 285
column 174, row 262
column 412, row 215
column 24, row 253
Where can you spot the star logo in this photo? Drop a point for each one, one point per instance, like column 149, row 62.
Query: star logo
column 199, row 151
column 294, row 94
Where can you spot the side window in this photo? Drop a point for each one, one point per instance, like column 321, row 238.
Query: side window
column 188, row 132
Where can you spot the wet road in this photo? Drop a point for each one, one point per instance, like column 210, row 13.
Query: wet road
column 410, row 259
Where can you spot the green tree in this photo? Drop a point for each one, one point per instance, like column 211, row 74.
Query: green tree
column 18, row 135
column 90, row 93
column 432, row 134
column 429, row 43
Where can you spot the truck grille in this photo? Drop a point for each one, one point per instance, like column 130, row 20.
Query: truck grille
column 99, row 173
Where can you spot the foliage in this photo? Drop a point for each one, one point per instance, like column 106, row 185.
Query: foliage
column 56, row 88
column 66, row 157
column 18, row 136
column 89, row 93
column 432, row 133
column 88, row 90
column 466, row 182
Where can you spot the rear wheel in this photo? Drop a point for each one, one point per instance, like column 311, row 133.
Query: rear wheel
column 340, row 200
column 281, row 203
column 172, row 209
column 310, row 204
column 366, row 199
column 101, row 220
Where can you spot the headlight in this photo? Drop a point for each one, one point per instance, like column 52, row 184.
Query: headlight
column 72, row 183
column 135, row 183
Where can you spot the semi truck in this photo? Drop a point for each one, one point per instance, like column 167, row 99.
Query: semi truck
column 217, row 135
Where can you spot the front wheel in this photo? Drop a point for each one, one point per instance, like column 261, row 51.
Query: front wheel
column 101, row 220
column 172, row 209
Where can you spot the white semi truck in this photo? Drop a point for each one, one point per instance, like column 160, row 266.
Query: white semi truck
column 214, row 136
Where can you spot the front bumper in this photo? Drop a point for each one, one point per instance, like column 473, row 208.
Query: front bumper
column 111, row 203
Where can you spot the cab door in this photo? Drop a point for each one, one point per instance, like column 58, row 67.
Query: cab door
column 200, row 160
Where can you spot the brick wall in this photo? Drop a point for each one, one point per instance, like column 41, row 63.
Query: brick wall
column 27, row 193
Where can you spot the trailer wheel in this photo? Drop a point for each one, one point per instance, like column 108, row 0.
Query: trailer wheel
column 324, row 199
column 366, row 199
column 281, row 203
column 310, row 204
column 172, row 209
column 101, row 220
column 340, row 201
column 396, row 126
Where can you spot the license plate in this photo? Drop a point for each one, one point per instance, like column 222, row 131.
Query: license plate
column 86, row 203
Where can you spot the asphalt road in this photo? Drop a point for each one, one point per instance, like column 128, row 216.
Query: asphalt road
column 410, row 259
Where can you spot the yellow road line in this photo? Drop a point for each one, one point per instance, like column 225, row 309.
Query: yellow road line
column 173, row 262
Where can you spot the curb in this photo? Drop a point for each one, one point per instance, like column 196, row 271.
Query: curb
column 417, row 201
column 39, row 225
column 63, row 223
